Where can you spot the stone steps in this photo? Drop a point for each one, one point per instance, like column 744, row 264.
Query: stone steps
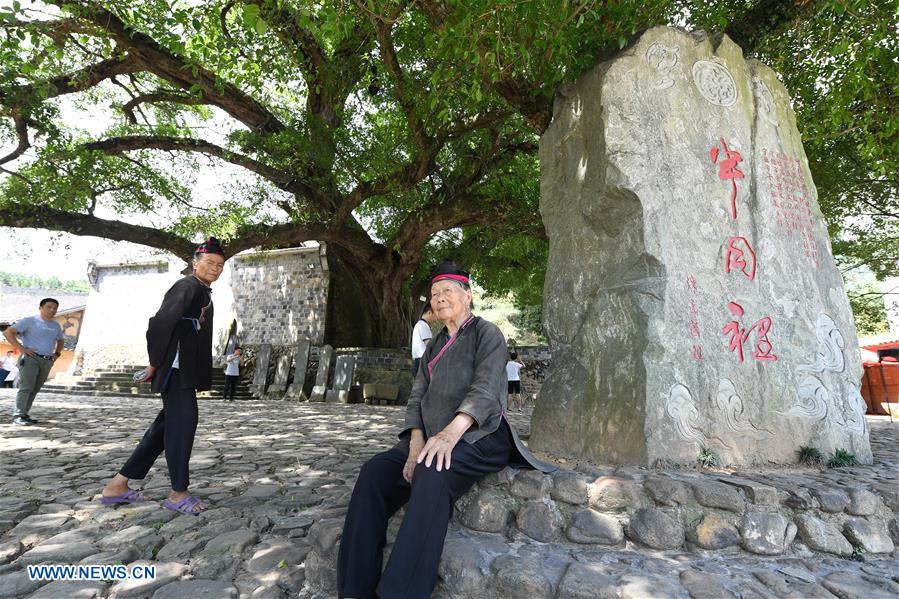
column 117, row 380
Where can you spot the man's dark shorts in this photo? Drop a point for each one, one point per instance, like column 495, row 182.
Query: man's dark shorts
column 514, row 387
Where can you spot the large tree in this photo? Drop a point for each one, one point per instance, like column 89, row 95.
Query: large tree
column 394, row 131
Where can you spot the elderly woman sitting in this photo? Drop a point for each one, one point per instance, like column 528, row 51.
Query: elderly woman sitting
column 455, row 434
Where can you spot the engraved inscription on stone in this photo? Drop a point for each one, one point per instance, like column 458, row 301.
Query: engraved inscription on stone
column 765, row 102
column 663, row 58
column 714, row 82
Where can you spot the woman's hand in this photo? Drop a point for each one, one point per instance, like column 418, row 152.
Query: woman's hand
column 416, row 443
column 149, row 372
column 440, row 446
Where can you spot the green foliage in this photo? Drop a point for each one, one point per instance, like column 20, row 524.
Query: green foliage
column 17, row 280
column 841, row 458
column 810, row 456
column 708, row 458
column 841, row 71
column 869, row 309
column 529, row 318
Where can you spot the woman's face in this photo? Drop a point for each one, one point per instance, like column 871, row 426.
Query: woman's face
column 208, row 267
column 449, row 301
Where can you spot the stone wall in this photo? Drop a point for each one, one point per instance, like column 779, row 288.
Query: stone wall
column 278, row 296
column 691, row 297
column 762, row 514
column 376, row 365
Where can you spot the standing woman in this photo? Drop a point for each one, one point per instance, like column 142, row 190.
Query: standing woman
column 232, row 373
column 455, row 434
column 179, row 344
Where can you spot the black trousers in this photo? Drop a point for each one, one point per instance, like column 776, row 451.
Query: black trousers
column 381, row 490
column 416, row 364
column 173, row 432
column 230, row 385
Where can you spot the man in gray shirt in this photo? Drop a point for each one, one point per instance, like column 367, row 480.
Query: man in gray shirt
column 41, row 344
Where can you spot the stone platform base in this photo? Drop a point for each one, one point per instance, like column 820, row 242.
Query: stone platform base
column 637, row 533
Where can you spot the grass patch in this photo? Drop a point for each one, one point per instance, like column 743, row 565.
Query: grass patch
column 810, row 456
column 841, row 458
column 708, row 458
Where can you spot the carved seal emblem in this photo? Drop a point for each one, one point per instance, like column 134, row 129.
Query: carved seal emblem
column 715, row 83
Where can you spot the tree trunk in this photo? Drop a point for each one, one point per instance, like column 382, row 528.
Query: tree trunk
column 368, row 305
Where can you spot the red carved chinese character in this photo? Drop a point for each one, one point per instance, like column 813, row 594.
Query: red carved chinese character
column 727, row 170
column 738, row 336
column 738, row 259
column 763, row 347
column 697, row 352
column 691, row 283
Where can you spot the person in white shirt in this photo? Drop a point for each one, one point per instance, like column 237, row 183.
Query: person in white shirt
column 7, row 367
column 513, row 375
column 232, row 373
column 421, row 334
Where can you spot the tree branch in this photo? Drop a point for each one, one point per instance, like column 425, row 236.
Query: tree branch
column 177, row 70
column 68, row 83
column 282, row 180
column 41, row 217
column 400, row 90
column 56, row 29
column 160, row 96
column 22, row 134
column 403, row 178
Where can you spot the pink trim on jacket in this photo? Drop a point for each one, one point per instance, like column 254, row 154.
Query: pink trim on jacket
column 448, row 343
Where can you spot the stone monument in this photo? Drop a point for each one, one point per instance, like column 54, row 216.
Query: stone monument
column 321, row 376
column 344, row 367
column 260, row 374
column 282, row 371
column 691, row 299
column 300, row 364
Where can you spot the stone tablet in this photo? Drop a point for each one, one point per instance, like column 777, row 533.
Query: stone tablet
column 691, row 296
column 343, row 372
column 321, row 377
column 300, row 364
column 282, row 370
column 260, row 375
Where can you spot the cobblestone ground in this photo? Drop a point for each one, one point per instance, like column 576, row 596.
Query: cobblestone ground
column 270, row 471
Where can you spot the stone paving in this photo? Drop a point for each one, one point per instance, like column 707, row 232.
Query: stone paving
column 278, row 477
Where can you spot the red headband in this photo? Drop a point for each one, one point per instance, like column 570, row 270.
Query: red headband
column 460, row 278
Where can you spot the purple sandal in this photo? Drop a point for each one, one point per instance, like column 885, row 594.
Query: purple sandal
column 189, row 506
column 129, row 496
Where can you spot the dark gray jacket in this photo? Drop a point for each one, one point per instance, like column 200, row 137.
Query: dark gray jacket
column 470, row 377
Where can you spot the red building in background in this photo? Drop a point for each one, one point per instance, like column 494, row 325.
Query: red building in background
column 880, row 383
